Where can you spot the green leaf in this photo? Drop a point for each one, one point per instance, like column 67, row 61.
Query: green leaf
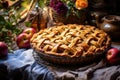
column 68, row 13
column 47, row 2
column 28, row 24
column 78, row 14
column 18, row 16
column 17, row 31
column 41, row 3
column 4, row 30
column 2, row 20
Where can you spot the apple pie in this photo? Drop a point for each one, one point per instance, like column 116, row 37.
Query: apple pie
column 70, row 43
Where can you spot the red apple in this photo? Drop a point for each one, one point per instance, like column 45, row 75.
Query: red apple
column 115, row 61
column 23, row 41
column 3, row 50
column 113, row 56
column 29, row 31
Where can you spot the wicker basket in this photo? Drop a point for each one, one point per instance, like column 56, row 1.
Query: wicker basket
column 71, row 19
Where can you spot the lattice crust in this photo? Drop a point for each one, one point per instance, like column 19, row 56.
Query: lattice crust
column 70, row 40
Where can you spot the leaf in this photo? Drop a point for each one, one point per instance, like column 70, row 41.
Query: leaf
column 18, row 16
column 78, row 14
column 47, row 2
column 17, row 31
column 28, row 24
column 41, row 3
column 4, row 30
column 9, row 26
column 2, row 20
column 68, row 13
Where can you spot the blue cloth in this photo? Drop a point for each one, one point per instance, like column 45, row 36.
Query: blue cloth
column 21, row 65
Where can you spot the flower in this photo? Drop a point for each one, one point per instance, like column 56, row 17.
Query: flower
column 68, row 7
column 80, row 4
column 58, row 6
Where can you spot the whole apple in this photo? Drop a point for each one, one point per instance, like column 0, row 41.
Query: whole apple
column 29, row 31
column 115, row 61
column 113, row 56
column 23, row 41
column 3, row 50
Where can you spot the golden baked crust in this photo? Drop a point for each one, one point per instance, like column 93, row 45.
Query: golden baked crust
column 70, row 40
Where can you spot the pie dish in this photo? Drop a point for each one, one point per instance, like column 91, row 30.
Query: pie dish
column 70, row 44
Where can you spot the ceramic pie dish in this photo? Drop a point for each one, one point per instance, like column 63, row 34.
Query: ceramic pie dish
column 71, row 44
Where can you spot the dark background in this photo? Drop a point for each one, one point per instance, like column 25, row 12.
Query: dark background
column 112, row 7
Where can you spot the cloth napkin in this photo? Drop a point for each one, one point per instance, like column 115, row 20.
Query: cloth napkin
column 22, row 64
